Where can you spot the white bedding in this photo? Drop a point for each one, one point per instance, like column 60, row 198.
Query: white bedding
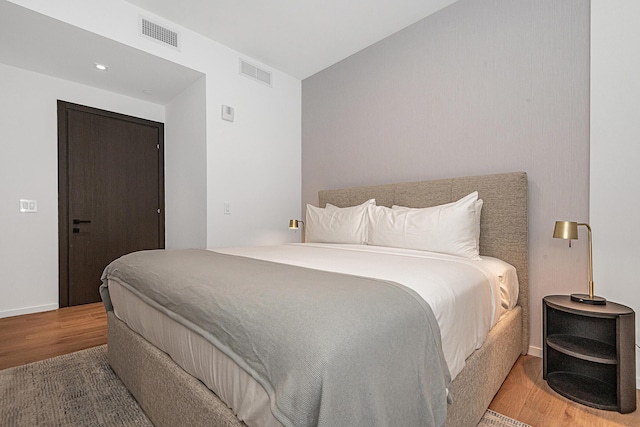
column 467, row 297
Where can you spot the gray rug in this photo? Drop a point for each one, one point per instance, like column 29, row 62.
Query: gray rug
column 77, row 389
column 494, row 419
column 80, row 389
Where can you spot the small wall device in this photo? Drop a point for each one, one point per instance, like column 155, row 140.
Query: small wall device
column 227, row 113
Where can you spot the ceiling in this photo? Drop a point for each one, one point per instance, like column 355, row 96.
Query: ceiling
column 298, row 37
column 45, row 45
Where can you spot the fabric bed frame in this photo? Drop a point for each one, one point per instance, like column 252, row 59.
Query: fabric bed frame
column 170, row 396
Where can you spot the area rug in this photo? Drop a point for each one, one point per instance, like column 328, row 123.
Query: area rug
column 80, row 389
column 494, row 419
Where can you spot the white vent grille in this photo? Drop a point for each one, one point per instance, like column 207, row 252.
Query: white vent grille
column 255, row 73
column 159, row 33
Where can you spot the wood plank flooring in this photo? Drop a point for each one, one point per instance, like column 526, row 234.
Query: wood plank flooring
column 524, row 395
column 39, row 336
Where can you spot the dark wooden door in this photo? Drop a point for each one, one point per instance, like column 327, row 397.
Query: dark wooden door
column 111, row 194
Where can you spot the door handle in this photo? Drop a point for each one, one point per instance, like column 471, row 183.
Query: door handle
column 81, row 221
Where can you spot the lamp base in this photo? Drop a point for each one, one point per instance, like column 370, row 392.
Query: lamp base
column 586, row 299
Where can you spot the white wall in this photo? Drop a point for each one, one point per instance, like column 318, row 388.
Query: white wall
column 253, row 162
column 29, row 170
column 186, row 169
column 615, row 152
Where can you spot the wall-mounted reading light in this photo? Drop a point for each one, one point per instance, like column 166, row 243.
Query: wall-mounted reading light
column 294, row 224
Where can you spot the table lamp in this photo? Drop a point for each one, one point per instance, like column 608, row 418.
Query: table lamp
column 569, row 230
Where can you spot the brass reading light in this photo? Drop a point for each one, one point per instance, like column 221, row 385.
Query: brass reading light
column 294, row 224
column 568, row 230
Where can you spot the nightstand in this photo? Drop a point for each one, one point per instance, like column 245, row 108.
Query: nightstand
column 589, row 352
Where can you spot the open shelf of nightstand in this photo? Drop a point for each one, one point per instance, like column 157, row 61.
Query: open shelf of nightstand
column 589, row 352
column 583, row 348
column 583, row 389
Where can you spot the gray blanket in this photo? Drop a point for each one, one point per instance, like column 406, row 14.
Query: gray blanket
column 329, row 349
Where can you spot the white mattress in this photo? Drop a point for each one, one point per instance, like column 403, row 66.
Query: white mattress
column 467, row 297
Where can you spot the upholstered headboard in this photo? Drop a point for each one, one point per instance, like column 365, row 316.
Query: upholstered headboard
column 503, row 225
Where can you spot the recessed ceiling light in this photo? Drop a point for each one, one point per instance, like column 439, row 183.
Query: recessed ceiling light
column 101, row 67
column 147, row 92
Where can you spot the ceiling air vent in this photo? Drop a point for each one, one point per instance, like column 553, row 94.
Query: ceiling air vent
column 159, row 33
column 255, row 73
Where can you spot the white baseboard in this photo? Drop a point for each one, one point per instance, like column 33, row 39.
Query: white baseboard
column 28, row 310
column 535, row 351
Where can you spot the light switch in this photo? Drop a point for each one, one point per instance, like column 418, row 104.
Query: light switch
column 227, row 208
column 227, row 113
column 28, row 206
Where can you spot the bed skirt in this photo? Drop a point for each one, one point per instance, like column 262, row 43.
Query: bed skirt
column 170, row 396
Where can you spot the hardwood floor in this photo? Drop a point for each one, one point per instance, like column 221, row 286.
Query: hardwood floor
column 32, row 337
column 524, row 395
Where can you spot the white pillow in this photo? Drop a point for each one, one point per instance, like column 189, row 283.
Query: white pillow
column 477, row 207
column 337, row 225
column 449, row 228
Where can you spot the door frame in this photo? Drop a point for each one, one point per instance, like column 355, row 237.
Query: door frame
column 63, row 187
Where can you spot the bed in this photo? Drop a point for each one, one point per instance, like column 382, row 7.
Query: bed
column 171, row 396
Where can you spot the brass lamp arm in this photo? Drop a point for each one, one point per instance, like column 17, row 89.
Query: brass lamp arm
column 590, row 260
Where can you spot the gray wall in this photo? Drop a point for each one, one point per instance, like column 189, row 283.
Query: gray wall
column 480, row 87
